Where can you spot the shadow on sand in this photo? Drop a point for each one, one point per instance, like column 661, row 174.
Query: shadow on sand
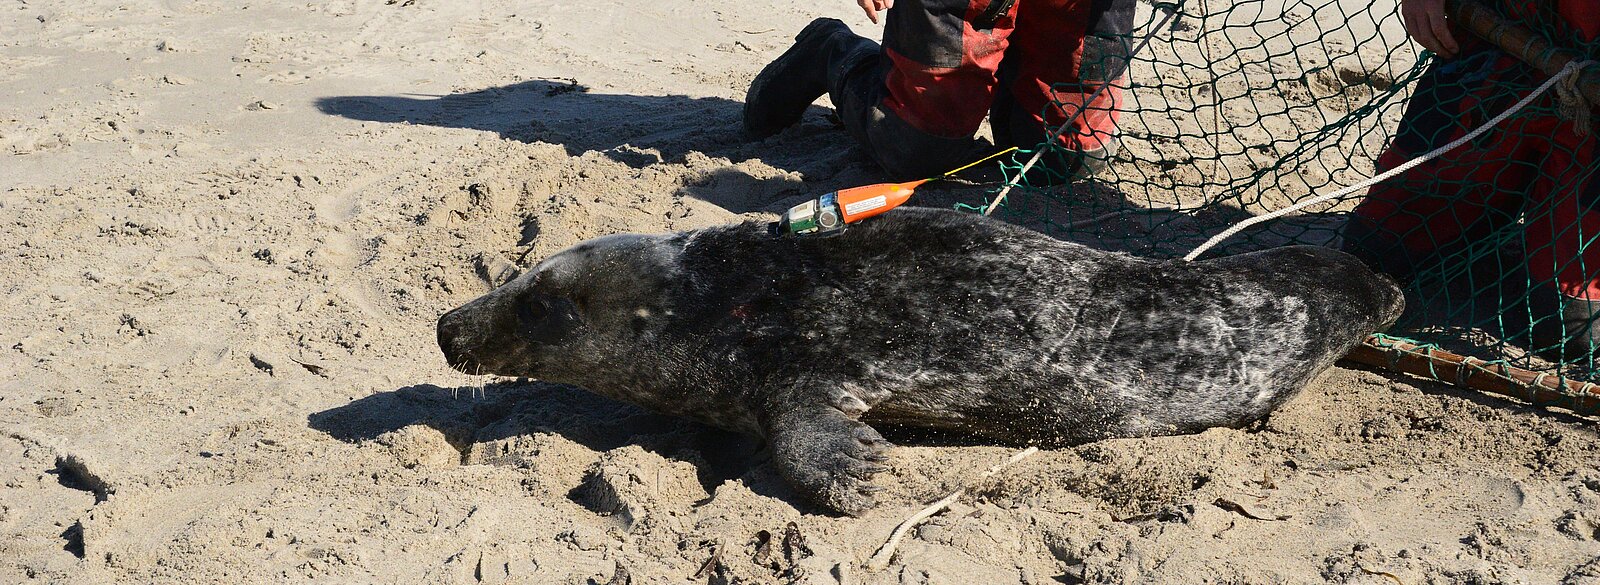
column 473, row 416
column 641, row 130
column 636, row 130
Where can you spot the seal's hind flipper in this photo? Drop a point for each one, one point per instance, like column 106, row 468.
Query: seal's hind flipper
column 828, row 457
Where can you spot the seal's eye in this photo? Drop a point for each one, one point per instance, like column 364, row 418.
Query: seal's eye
column 545, row 319
column 529, row 311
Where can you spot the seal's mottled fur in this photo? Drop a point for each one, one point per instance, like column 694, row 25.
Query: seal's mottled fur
column 924, row 318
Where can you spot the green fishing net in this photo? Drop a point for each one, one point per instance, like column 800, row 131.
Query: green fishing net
column 1237, row 109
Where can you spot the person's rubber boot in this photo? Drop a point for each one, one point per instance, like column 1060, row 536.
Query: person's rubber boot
column 1564, row 327
column 1089, row 159
column 789, row 84
column 1085, row 150
column 1103, row 69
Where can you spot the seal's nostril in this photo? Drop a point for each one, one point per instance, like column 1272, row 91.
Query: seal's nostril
column 444, row 335
column 457, row 358
column 446, row 330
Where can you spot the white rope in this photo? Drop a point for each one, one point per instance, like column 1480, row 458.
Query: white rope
column 1570, row 69
column 880, row 560
column 1056, row 134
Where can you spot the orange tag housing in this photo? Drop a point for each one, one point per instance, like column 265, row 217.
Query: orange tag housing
column 858, row 203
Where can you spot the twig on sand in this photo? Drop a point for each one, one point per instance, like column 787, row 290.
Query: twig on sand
column 880, row 560
column 1391, row 576
column 710, row 566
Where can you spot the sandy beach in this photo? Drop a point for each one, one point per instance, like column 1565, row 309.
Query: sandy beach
column 227, row 230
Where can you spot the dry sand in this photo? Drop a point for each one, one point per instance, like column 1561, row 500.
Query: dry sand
column 226, row 229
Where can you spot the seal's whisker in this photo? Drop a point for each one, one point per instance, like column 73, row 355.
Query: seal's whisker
column 479, row 388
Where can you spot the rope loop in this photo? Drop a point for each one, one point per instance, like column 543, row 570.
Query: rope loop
column 1535, row 385
column 1570, row 102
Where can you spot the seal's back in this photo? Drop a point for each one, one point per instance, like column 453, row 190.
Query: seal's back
column 988, row 321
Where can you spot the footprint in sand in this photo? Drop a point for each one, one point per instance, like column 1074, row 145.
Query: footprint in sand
column 338, row 208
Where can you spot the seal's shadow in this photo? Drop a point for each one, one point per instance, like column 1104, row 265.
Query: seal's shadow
column 473, row 418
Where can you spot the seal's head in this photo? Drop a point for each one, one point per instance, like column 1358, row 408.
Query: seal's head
column 558, row 321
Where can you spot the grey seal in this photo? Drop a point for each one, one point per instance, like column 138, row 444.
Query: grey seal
column 921, row 318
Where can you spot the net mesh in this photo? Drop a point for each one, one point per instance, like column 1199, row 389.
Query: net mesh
column 1240, row 108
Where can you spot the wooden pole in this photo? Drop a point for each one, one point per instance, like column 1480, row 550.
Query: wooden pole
column 1476, row 374
column 1524, row 44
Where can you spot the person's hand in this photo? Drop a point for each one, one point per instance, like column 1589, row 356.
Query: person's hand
column 1424, row 22
column 873, row 6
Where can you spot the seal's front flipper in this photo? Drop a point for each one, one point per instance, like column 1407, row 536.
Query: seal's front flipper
column 828, row 456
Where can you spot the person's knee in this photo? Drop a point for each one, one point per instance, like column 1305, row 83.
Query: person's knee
column 907, row 153
column 949, row 104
